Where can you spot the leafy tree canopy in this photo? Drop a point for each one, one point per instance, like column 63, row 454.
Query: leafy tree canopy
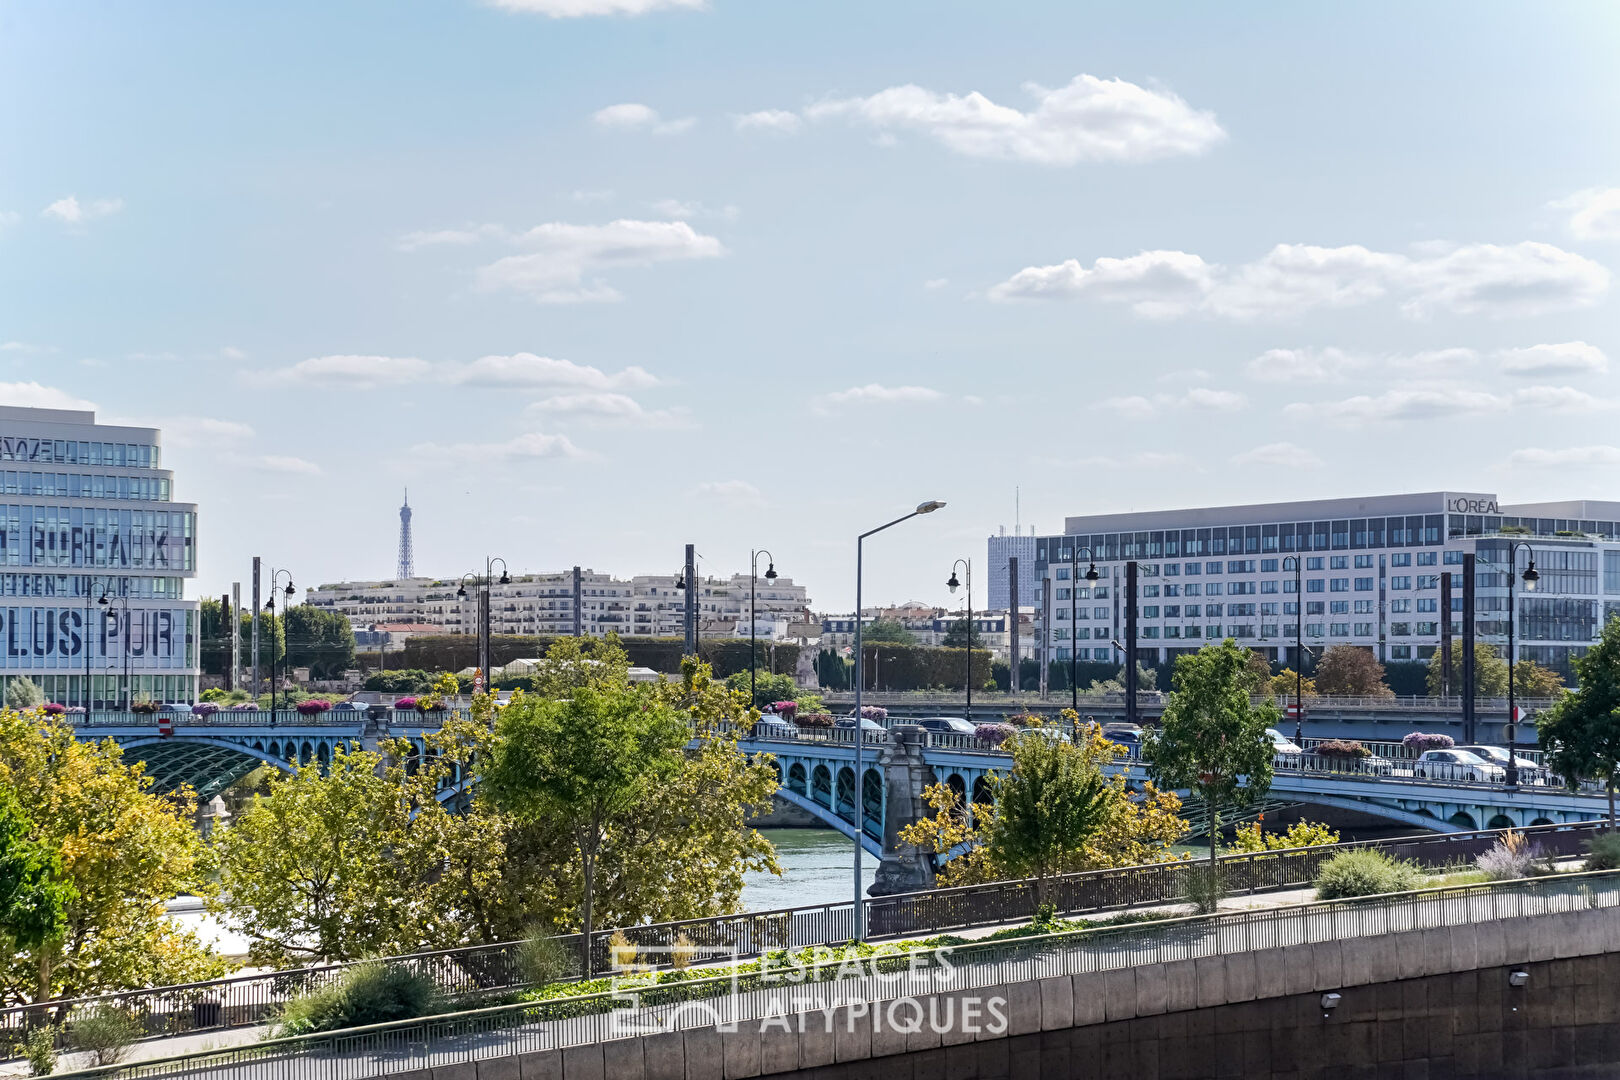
column 1351, row 670
column 1581, row 732
column 1490, row 671
column 886, row 630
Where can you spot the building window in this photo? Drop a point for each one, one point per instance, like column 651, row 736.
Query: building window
column 1340, row 562
column 1427, row 558
column 1193, row 569
column 1213, row 588
column 1401, row 558
column 1400, row 581
column 1314, row 607
column 1400, row 652
column 1339, row 607
column 1212, row 610
column 1151, row 611
column 1339, row 629
column 1192, row 588
column 1430, row 604
column 1212, row 631
column 1400, row 629
column 1194, row 611
column 1453, row 558
column 1341, row 584
column 1364, row 562
column 1268, row 566
column 1428, row 581
column 1315, row 630
column 1268, row 586
column 1426, row 628
column 1401, row 607
column 1313, row 563
column 1364, row 584
column 1212, row 568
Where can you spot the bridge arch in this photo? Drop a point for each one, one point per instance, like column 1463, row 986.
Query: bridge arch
column 796, row 779
column 208, row 765
column 1421, row 818
column 821, row 786
column 1464, row 821
column 869, row 844
column 1501, row 821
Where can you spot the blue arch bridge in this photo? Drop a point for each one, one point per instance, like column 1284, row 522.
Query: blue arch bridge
column 816, row 771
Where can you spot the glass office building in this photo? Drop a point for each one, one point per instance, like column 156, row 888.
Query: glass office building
column 1368, row 575
column 85, row 513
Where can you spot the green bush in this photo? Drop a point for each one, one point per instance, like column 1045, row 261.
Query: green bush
column 39, row 1048
column 541, row 960
column 1365, row 873
column 106, row 1034
column 1603, row 853
column 366, row 994
column 1204, row 887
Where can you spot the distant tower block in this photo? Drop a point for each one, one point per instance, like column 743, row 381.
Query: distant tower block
column 407, row 558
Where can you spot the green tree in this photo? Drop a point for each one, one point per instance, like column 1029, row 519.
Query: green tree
column 579, row 763
column 956, row 636
column 880, row 631
column 1212, row 739
column 1531, row 680
column 767, row 688
column 1351, row 670
column 1052, row 802
column 1146, row 679
column 832, row 670
column 1490, row 671
column 33, row 891
column 1581, row 733
column 23, row 693
column 124, row 850
column 319, row 639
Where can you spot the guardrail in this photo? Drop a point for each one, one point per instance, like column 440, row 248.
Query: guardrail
column 589, row 1019
column 233, row 718
column 486, row 969
column 1058, row 700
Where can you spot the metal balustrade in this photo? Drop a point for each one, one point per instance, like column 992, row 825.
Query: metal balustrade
column 787, row 990
column 491, row 969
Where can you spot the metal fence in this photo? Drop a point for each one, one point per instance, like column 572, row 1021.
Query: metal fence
column 590, row 1019
column 467, row 973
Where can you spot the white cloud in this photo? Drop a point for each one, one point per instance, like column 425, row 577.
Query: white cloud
column 70, row 211
column 24, row 347
column 531, row 446
column 674, row 208
column 1596, row 213
column 779, row 121
column 1279, row 453
column 608, row 408
column 573, row 9
column 526, row 370
column 1090, row 119
column 34, row 396
column 1301, row 365
column 1570, row 358
column 1521, row 279
column 1434, row 361
column 1570, row 457
column 349, row 372
column 1145, row 459
column 231, row 352
column 1439, row 402
column 279, row 463
column 736, row 491
column 875, row 394
column 936, row 283
column 561, row 256
column 9, row 218
column 1137, row 407
column 200, row 430
column 634, row 116
column 468, row 234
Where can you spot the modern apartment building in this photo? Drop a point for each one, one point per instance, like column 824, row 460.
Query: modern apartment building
column 1368, row 570
column 88, row 514
column 543, row 604
column 1003, row 548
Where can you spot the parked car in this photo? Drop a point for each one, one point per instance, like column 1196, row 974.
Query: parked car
column 1498, row 755
column 1455, row 764
column 866, row 725
column 770, row 726
column 349, row 706
column 1053, row 733
column 175, row 706
column 946, row 725
column 1128, row 735
column 1282, row 744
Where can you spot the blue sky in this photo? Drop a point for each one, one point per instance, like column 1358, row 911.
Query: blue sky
column 596, row 278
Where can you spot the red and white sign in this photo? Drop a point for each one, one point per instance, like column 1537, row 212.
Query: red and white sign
column 478, row 680
column 1518, row 713
column 1296, row 712
column 165, row 725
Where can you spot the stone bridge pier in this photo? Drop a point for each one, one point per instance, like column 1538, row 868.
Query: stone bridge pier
column 904, row 867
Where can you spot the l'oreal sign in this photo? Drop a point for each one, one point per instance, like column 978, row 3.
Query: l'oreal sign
column 1472, row 506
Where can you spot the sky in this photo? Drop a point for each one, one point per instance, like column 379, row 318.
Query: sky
column 598, row 278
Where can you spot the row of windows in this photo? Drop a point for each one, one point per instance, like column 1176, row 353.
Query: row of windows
column 71, row 452
column 91, row 586
column 1416, row 530
column 90, row 536
column 86, row 486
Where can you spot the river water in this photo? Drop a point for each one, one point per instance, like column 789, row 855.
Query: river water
column 817, row 868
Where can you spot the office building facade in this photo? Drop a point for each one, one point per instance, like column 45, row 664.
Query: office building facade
column 1369, row 575
column 88, row 513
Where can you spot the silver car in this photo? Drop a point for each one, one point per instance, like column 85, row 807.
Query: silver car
column 1457, row 764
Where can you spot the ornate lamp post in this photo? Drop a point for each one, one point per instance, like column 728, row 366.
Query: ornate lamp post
column 953, row 585
column 858, row 914
column 753, row 582
column 483, row 584
column 1531, row 576
column 123, row 639
column 1074, row 615
column 270, row 606
column 89, row 590
column 1299, row 651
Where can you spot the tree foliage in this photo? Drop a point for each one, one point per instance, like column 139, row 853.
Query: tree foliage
column 320, row 639
column 1127, row 830
column 1490, row 671
column 1285, row 683
column 1351, row 671
column 1531, row 680
column 957, row 635
column 1253, row 837
column 886, row 631
column 1146, row 679
column 1581, row 732
column 123, row 851
column 1048, row 805
column 24, row 693
column 1212, row 739
column 33, row 889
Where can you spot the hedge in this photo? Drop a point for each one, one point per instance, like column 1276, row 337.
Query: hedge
column 453, row 652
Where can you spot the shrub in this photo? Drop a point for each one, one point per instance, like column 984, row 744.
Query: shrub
column 106, row 1034
column 1205, row 887
column 1025, row 720
column 313, row 706
column 682, row 952
column 405, row 703
column 1418, row 742
column 1365, row 873
column 1510, row 858
column 541, row 960
column 245, row 706
column 814, row 720
column 1603, row 852
column 39, row 1048
column 1253, row 837
column 366, row 994
column 1341, row 748
column 994, row 734
column 204, row 708
column 621, row 952
column 785, row 709
column 53, row 708
column 873, row 712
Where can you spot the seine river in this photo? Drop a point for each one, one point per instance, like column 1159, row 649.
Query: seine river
column 817, row 868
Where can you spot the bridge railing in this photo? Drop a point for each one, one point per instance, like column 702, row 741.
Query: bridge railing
column 488, row 969
column 233, row 718
column 705, row 1002
column 1399, row 751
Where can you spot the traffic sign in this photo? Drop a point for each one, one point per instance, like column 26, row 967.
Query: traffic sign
column 478, row 680
column 1296, row 712
column 165, row 726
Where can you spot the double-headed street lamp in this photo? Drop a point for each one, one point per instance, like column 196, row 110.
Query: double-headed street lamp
column 858, row 913
column 89, row 590
column 1074, row 615
column 483, row 585
column 753, row 582
column 953, row 585
column 1531, row 576
column 1299, row 651
column 123, row 639
column 270, row 606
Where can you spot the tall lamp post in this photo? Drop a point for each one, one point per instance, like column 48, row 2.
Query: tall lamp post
column 858, row 913
column 753, row 582
column 123, row 639
column 1531, row 576
column 1299, row 651
column 953, row 585
column 89, row 590
column 270, row 606
column 1074, row 615
column 483, row 584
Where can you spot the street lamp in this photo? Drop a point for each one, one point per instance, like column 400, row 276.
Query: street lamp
column 1074, row 633
column 858, row 913
column 1531, row 576
column 1299, row 651
column 483, row 584
column 953, row 585
column 123, row 638
column 89, row 590
column 753, row 582
column 270, row 606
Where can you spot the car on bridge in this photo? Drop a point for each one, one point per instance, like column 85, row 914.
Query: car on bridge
column 1498, row 755
column 1455, row 764
column 770, row 726
column 945, row 725
column 866, row 725
column 1280, row 743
